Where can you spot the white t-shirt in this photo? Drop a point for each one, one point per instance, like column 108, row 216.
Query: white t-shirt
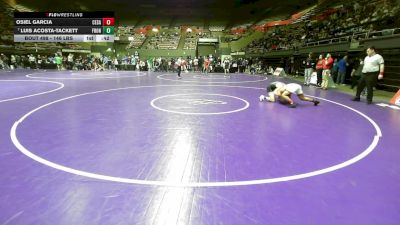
column 371, row 64
column 226, row 64
column 294, row 88
column 278, row 84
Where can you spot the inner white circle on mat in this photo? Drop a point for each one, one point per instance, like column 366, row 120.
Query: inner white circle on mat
column 190, row 99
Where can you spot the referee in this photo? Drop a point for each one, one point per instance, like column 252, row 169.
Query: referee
column 373, row 69
column 179, row 65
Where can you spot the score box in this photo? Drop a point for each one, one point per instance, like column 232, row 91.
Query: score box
column 104, row 38
column 108, row 30
column 64, row 38
column 108, row 21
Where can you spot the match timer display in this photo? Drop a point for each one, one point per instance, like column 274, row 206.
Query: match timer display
column 64, row 27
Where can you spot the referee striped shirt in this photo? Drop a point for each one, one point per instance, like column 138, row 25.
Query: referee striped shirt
column 372, row 63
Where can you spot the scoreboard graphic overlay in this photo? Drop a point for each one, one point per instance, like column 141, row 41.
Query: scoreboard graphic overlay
column 64, row 27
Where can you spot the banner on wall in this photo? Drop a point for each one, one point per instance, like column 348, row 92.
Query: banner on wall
column 279, row 72
column 208, row 40
column 396, row 99
column 314, row 79
column 238, row 53
column 76, row 50
column 225, row 56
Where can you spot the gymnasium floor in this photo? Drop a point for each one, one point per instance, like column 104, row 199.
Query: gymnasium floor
column 147, row 148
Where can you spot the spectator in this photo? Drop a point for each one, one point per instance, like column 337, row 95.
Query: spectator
column 356, row 72
column 342, row 71
column 309, row 65
column 326, row 73
column 319, row 67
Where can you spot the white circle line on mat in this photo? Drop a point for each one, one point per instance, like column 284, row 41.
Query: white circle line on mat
column 25, row 151
column 31, row 95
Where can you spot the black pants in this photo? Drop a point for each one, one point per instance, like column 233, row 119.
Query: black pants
column 319, row 77
column 354, row 81
column 369, row 80
column 179, row 71
column 335, row 75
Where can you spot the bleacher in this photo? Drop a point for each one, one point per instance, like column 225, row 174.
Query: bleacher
column 33, row 47
column 124, row 31
column 216, row 28
column 190, row 41
column 164, row 40
column 345, row 22
column 6, row 26
column 136, row 41
column 391, row 81
column 281, row 38
column 325, row 24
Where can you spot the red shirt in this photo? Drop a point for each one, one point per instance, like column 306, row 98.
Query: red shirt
column 328, row 63
column 206, row 63
column 320, row 64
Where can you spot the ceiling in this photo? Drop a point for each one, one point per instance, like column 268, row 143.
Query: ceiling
column 179, row 12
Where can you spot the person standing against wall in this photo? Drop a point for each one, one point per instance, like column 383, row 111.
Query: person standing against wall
column 226, row 64
column 326, row 73
column 319, row 67
column 309, row 68
column 179, row 66
column 341, row 78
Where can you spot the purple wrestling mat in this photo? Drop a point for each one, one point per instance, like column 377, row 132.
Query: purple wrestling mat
column 123, row 147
